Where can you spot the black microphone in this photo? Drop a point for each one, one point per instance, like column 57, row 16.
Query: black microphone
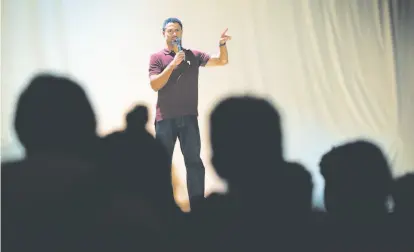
column 178, row 43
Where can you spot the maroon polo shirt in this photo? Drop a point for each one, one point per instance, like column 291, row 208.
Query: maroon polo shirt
column 179, row 96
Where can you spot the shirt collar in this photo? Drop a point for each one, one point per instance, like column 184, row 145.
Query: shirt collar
column 168, row 51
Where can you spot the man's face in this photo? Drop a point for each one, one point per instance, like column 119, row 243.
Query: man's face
column 172, row 31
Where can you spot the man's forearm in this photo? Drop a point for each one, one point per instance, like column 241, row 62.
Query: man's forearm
column 223, row 55
column 158, row 81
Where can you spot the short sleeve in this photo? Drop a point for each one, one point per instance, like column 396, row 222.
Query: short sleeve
column 155, row 65
column 202, row 57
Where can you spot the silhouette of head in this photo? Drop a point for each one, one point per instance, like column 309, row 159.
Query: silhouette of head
column 245, row 135
column 54, row 114
column 298, row 185
column 357, row 179
column 138, row 162
column 137, row 118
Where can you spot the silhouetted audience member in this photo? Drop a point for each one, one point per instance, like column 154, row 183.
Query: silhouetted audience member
column 357, row 183
column 54, row 115
column 300, row 225
column 403, row 191
column 138, row 178
column 246, row 140
column 49, row 198
column 300, row 190
column 403, row 195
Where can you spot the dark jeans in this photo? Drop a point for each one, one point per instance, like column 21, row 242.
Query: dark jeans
column 185, row 128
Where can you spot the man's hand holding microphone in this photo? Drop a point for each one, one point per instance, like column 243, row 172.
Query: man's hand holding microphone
column 178, row 58
column 180, row 55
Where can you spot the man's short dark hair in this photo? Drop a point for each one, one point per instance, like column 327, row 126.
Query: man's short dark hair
column 172, row 20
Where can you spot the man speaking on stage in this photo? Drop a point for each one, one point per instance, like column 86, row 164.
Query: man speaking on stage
column 173, row 73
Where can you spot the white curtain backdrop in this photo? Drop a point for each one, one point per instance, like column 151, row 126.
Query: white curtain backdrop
column 336, row 69
column 402, row 12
